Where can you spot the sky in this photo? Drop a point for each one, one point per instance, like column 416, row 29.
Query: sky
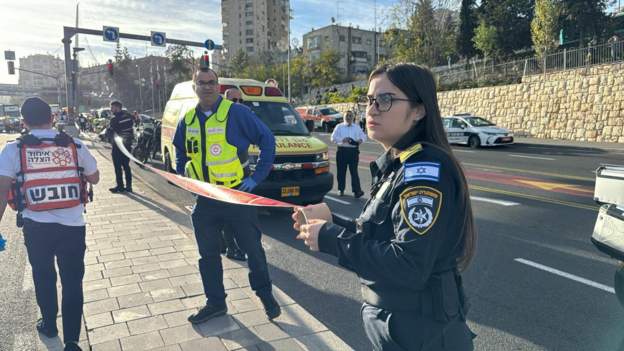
column 36, row 26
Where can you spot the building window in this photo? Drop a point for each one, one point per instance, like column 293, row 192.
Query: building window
column 342, row 38
column 249, row 40
column 369, row 42
column 249, row 32
column 356, row 40
column 313, row 43
column 249, row 23
column 250, row 49
column 248, row 14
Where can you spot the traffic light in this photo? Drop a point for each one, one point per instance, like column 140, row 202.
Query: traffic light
column 204, row 63
column 11, row 67
column 109, row 67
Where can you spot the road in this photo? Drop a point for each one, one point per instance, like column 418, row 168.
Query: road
column 536, row 283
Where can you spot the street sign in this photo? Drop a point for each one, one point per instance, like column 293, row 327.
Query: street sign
column 9, row 55
column 209, row 44
column 110, row 33
column 159, row 39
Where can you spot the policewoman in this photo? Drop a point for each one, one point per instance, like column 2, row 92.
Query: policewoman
column 44, row 175
column 416, row 231
column 211, row 144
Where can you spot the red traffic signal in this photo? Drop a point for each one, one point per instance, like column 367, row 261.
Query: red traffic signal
column 11, row 67
column 204, row 63
column 109, row 67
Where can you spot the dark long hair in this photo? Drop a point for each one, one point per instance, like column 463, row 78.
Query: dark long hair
column 418, row 84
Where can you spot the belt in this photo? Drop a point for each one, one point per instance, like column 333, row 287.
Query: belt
column 394, row 300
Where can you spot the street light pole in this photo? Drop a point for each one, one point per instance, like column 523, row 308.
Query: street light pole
column 289, row 100
column 140, row 88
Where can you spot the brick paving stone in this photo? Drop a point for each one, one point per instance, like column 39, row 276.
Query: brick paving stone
column 147, row 325
column 94, row 267
column 148, row 267
column 179, row 318
column 239, row 338
column 125, row 279
column 142, row 298
column 180, row 334
column 136, row 247
column 95, row 295
column 130, row 314
column 185, row 279
column 155, row 284
column 169, row 348
column 111, row 332
column 111, row 257
column 117, row 272
column 281, row 345
column 171, row 256
column 166, row 307
column 115, row 250
column 218, row 326
column 91, row 276
column 154, row 275
column 137, row 254
column 297, row 322
column 158, row 244
column 112, row 345
column 167, row 294
column 251, row 318
column 323, row 341
column 173, row 263
column 194, row 289
column 118, row 264
column 246, row 305
column 194, row 302
column 121, row 290
column 101, row 306
column 182, row 270
column 142, row 342
column 269, row 332
column 162, row 250
column 144, row 260
column 96, row 285
column 99, row 320
column 212, row 344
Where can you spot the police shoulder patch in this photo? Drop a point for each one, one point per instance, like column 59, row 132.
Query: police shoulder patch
column 420, row 207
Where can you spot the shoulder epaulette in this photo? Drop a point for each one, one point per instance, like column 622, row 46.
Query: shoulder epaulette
column 407, row 153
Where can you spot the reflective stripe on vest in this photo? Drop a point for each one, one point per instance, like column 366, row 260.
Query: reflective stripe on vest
column 219, row 157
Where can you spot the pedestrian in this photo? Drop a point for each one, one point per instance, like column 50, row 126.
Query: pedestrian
column 348, row 136
column 229, row 245
column 82, row 122
column 122, row 125
column 417, row 232
column 52, row 229
column 136, row 118
column 212, row 142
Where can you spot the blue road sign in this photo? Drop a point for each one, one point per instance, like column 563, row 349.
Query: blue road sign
column 209, row 44
column 159, row 39
column 110, row 33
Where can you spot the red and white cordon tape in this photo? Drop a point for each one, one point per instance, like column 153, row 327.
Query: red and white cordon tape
column 208, row 190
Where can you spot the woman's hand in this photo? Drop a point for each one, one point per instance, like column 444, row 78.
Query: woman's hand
column 310, row 233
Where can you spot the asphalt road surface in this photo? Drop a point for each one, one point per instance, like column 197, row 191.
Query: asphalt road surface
column 536, row 283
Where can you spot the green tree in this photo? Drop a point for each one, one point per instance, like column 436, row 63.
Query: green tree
column 238, row 63
column 325, row 69
column 486, row 40
column 512, row 21
column 545, row 26
column 584, row 19
column 182, row 61
column 467, row 23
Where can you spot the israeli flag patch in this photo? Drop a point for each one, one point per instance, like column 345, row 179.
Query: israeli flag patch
column 429, row 171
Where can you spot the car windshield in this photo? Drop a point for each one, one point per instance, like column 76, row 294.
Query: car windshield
column 479, row 122
column 280, row 117
column 328, row 111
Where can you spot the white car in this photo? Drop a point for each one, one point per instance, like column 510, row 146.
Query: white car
column 475, row 131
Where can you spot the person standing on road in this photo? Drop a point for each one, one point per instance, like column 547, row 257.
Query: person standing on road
column 232, row 250
column 211, row 143
column 417, row 230
column 348, row 136
column 121, row 124
column 51, row 228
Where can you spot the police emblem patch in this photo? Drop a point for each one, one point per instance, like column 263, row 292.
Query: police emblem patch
column 420, row 207
column 215, row 149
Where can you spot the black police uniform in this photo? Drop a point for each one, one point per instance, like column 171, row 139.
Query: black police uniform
column 122, row 124
column 404, row 248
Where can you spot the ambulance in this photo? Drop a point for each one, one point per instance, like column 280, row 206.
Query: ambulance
column 300, row 173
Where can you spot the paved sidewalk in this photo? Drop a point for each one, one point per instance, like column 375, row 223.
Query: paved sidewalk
column 142, row 282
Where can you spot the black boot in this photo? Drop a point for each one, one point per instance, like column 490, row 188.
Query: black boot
column 48, row 330
column 208, row 312
column 271, row 307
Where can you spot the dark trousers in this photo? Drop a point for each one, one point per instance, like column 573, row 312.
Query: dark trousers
column 229, row 241
column 122, row 163
column 209, row 217
column 406, row 330
column 348, row 157
column 44, row 242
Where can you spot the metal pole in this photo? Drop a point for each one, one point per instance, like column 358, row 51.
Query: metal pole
column 67, row 34
column 140, row 87
column 152, row 80
column 289, row 95
column 565, row 59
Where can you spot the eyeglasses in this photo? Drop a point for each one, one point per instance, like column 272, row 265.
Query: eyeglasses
column 383, row 102
column 237, row 100
column 203, row 83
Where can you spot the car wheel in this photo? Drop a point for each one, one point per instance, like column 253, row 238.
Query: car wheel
column 168, row 166
column 474, row 141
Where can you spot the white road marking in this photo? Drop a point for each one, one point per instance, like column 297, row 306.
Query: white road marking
column 494, row 201
column 566, row 275
column 533, row 157
column 466, row 151
column 337, row 200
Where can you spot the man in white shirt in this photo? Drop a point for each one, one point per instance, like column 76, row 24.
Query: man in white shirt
column 348, row 136
column 50, row 208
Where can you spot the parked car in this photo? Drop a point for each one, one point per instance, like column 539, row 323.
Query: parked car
column 325, row 118
column 475, row 131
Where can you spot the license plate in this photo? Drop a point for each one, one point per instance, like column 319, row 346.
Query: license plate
column 506, row 139
column 289, row 191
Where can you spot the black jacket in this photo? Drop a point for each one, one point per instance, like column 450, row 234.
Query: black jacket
column 122, row 124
